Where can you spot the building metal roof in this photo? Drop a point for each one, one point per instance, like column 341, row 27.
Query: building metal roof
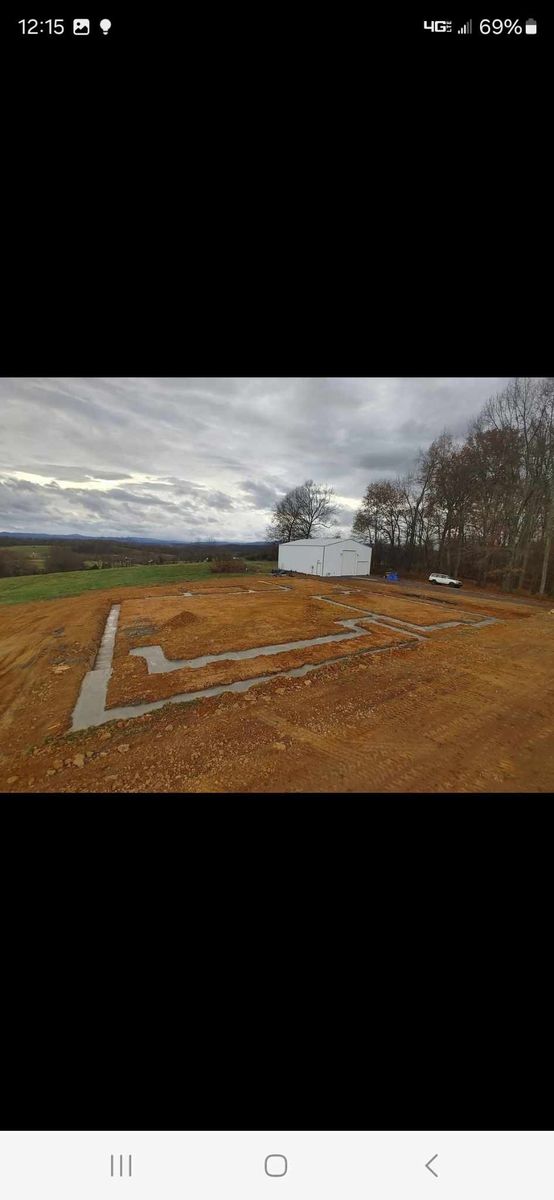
column 324, row 541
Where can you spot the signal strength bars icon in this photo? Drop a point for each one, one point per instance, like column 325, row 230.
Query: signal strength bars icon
column 467, row 28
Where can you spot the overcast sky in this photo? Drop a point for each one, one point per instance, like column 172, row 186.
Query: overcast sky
column 187, row 458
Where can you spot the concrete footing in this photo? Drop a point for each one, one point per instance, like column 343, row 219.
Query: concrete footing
column 90, row 709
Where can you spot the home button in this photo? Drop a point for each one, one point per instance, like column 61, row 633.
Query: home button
column 276, row 1164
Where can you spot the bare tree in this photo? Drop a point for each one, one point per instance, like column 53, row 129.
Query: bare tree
column 380, row 512
column 548, row 522
column 517, row 410
column 302, row 513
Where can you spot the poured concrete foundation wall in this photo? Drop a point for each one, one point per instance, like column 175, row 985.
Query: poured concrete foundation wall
column 90, row 708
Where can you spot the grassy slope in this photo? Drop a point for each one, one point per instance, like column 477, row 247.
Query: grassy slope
column 24, row 588
column 71, row 583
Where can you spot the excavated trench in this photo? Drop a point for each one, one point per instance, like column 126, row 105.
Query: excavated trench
column 91, row 710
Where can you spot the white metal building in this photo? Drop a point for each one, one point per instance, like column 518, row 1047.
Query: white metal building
column 326, row 556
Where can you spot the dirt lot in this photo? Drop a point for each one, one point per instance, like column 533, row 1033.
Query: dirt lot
column 417, row 612
column 466, row 709
column 227, row 623
column 446, row 606
column 185, row 628
column 508, row 603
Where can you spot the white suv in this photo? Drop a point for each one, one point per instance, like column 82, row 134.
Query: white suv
column 436, row 577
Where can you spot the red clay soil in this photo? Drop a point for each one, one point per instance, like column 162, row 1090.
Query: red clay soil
column 441, row 596
column 131, row 683
column 467, row 710
column 46, row 648
column 188, row 628
column 414, row 611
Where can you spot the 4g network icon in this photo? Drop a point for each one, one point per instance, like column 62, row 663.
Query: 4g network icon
column 438, row 26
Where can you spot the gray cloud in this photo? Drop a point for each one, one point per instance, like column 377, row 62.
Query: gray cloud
column 62, row 471
column 386, row 460
column 344, row 516
column 94, row 475
column 218, row 500
column 259, row 495
column 180, row 458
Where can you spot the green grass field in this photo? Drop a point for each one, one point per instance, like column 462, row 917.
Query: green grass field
column 36, row 552
column 23, row 588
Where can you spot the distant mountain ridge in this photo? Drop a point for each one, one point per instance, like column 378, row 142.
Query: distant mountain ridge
column 95, row 537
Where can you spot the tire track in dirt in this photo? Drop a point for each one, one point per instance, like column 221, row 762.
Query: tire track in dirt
column 353, row 754
column 470, row 741
column 429, row 742
column 332, row 749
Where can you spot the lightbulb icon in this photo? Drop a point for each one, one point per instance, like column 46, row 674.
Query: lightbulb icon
column 105, row 25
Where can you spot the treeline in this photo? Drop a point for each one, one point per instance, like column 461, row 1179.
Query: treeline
column 482, row 506
column 68, row 554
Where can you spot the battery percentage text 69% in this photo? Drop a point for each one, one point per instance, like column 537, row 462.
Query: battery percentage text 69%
column 498, row 26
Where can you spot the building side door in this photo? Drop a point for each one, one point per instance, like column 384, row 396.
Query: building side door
column 348, row 566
